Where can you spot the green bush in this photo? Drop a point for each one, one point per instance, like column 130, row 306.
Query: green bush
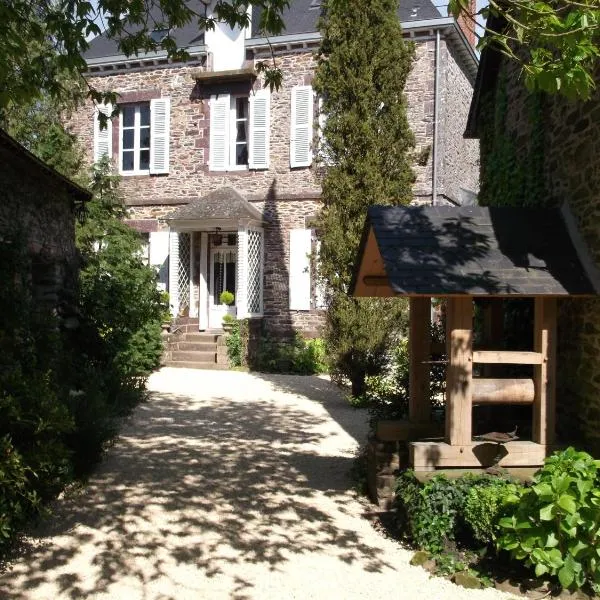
column 432, row 515
column 226, row 297
column 484, row 507
column 234, row 345
column 297, row 356
column 555, row 524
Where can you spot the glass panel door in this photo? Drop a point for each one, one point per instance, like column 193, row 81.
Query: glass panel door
column 223, row 277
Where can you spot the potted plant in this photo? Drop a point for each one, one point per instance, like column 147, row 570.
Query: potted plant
column 228, row 321
column 227, row 298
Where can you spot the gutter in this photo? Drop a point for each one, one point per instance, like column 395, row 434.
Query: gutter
column 436, row 119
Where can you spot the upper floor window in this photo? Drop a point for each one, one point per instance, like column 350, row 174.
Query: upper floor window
column 239, row 132
column 143, row 137
column 239, row 141
column 135, row 138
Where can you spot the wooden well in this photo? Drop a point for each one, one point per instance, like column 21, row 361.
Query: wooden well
column 461, row 254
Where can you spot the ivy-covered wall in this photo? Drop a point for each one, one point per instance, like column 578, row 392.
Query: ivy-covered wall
column 539, row 150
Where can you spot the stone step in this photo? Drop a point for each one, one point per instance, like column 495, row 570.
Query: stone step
column 189, row 346
column 186, row 320
column 199, row 338
column 181, row 364
column 194, row 356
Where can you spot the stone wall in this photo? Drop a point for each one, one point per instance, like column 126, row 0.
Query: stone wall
column 561, row 146
column 37, row 208
column 459, row 157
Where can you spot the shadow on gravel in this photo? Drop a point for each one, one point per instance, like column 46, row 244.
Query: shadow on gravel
column 325, row 393
column 201, row 485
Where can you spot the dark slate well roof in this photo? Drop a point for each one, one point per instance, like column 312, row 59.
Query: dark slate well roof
column 441, row 251
column 224, row 203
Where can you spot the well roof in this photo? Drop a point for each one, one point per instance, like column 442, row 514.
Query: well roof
column 442, row 251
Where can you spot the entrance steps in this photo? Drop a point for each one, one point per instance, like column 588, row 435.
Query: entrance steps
column 192, row 349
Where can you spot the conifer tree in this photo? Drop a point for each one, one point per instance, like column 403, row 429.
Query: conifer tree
column 366, row 147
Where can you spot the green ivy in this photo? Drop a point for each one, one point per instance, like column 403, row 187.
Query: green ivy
column 512, row 168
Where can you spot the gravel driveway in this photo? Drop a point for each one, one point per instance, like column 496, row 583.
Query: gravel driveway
column 224, row 485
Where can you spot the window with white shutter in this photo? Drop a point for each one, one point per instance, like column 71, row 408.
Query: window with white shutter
column 219, row 133
column 144, row 137
column 160, row 117
column 300, row 252
column 301, row 126
column 259, row 130
column 102, row 137
column 239, row 132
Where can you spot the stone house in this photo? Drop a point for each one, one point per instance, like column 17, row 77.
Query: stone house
column 38, row 208
column 219, row 173
column 541, row 150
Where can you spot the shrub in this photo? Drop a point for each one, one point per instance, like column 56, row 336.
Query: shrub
column 484, row 507
column 432, row 515
column 297, row 356
column 555, row 524
column 234, row 345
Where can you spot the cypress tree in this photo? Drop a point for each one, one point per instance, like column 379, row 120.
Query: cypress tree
column 366, row 149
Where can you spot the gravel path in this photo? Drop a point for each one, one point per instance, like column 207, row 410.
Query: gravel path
column 224, row 485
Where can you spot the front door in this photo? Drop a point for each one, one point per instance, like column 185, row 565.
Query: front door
column 223, row 275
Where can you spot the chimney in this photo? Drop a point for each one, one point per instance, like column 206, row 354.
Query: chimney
column 468, row 25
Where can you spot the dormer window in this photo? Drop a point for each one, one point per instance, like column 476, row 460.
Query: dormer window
column 158, row 35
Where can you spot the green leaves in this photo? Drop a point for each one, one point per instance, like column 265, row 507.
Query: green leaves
column 557, row 44
column 554, row 526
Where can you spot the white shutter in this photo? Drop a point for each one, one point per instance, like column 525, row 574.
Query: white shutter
column 159, row 247
column 300, row 249
column 302, row 126
column 174, row 272
column 259, row 130
column 159, row 256
column 219, row 133
column 102, row 137
column 160, row 117
column 320, row 298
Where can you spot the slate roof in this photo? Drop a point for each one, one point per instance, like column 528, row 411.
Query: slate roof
column 185, row 37
column 441, row 251
column 224, row 203
column 300, row 17
column 13, row 150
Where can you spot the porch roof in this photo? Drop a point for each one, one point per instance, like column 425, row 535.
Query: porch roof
column 225, row 203
column 447, row 251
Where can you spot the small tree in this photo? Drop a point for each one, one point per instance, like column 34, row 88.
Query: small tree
column 363, row 64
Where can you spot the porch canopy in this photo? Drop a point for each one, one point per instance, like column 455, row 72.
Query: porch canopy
column 198, row 231
column 459, row 254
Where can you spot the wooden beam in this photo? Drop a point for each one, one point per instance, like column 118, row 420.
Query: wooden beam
column 459, row 391
column 375, row 280
column 544, row 375
column 403, row 431
column 503, row 391
column 419, row 340
column 506, row 357
column 426, row 456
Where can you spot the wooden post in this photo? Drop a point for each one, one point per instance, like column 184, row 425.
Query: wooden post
column 544, row 375
column 459, row 389
column 419, row 341
column 493, row 329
